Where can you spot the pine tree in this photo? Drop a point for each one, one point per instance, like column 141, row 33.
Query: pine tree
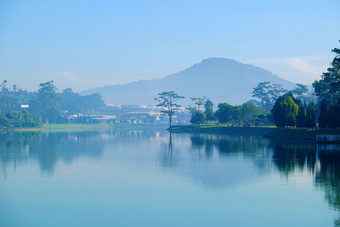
column 323, row 118
column 301, row 117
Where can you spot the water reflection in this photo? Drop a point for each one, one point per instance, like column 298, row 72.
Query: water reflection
column 289, row 156
column 200, row 142
column 47, row 148
column 321, row 161
column 169, row 155
column 14, row 149
column 328, row 178
column 214, row 161
column 249, row 147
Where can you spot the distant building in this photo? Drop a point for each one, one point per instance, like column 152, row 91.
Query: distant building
column 15, row 88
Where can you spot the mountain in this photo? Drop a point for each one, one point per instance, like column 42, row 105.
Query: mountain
column 219, row 79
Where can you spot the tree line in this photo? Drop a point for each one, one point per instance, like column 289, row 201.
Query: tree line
column 245, row 114
column 44, row 106
column 328, row 91
column 289, row 111
column 250, row 113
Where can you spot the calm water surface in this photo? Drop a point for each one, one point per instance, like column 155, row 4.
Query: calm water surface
column 149, row 178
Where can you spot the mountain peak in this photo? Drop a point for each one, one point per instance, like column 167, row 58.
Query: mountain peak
column 219, row 79
column 215, row 60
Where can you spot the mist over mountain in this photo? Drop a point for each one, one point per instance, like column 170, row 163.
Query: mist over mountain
column 219, row 79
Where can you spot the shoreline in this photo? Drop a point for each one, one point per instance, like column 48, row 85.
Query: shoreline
column 96, row 127
column 83, row 127
column 270, row 132
column 301, row 134
column 21, row 129
column 222, row 129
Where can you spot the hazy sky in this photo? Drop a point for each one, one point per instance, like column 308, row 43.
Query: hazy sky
column 86, row 44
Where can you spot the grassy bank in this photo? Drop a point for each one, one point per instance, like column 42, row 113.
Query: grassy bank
column 221, row 128
column 21, row 129
column 94, row 127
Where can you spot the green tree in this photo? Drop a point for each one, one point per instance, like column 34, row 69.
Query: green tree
column 23, row 97
column 285, row 111
column 321, row 88
column 268, row 93
column 310, row 116
column 21, row 119
column 18, row 119
column 199, row 101
column 334, row 115
column 7, row 102
column 74, row 103
column 3, row 86
column 47, row 103
column 328, row 91
column 299, row 91
column 197, row 117
column 261, row 92
column 275, row 92
column 227, row 113
column 301, row 117
column 209, row 111
column 4, row 123
column 168, row 99
column 249, row 112
column 329, row 85
column 323, row 118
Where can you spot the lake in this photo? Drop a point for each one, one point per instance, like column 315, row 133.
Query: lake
column 152, row 178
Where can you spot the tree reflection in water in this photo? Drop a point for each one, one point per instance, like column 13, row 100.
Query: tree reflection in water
column 250, row 147
column 289, row 156
column 323, row 163
column 286, row 156
column 328, row 177
column 47, row 148
column 169, row 156
column 208, row 159
column 14, row 149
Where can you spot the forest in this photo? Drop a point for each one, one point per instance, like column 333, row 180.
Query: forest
column 44, row 106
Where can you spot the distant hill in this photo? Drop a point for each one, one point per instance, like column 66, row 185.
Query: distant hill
column 219, row 79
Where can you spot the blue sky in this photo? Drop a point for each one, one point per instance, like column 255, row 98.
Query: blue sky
column 86, row 44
